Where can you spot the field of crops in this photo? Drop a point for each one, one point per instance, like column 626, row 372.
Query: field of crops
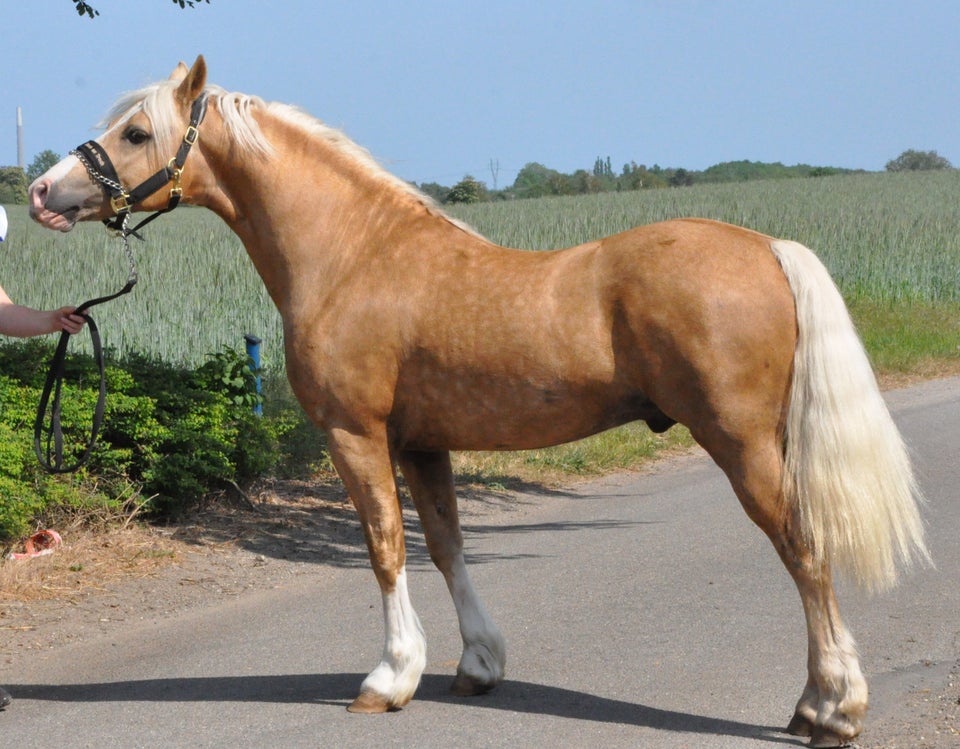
column 197, row 289
column 887, row 238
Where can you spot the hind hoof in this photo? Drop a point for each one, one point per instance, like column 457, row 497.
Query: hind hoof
column 465, row 685
column 822, row 738
column 799, row 726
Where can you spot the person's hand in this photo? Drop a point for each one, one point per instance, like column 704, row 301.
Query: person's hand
column 70, row 322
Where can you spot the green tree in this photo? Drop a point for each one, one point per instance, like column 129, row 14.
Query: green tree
column 681, row 178
column 914, row 161
column 41, row 162
column 637, row 177
column 85, row 9
column 602, row 168
column 467, row 190
column 13, row 185
column 535, row 180
column 435, row 190
column 584, row 183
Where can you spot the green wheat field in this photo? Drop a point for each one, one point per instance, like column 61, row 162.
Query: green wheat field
column 891, row 241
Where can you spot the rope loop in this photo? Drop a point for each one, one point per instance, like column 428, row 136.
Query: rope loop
column 48, row 427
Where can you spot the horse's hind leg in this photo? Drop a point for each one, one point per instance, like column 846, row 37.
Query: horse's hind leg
column 430, row 478
column 834, row 702
column 364, row 464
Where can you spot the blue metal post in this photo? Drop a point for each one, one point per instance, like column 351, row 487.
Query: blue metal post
column 253, row 351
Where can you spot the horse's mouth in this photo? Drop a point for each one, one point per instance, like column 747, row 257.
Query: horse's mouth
column 63, row 221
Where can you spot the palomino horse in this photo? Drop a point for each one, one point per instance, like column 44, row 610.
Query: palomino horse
column 407, row 335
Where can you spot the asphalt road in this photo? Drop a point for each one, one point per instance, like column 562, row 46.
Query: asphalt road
column 639, row 611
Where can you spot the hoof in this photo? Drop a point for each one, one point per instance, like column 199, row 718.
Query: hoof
column 370, row 703
column 467, row 686
column 821, row 738
column 799, row 726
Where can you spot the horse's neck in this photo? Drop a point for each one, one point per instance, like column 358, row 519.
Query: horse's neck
column 308, row 213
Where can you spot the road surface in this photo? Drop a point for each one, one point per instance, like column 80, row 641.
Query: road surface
column 639, row 610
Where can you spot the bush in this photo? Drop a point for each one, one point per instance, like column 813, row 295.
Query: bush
column 176, row 434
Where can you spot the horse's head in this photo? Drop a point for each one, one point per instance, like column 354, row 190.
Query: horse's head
column 146, row 134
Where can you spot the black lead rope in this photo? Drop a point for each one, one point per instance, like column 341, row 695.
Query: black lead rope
column 48, row 428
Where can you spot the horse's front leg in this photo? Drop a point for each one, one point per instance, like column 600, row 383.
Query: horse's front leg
column 365, row 465
column 430, row 478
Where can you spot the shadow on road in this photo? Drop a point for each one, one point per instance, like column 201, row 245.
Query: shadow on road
column 315, row 523
column 340, row 689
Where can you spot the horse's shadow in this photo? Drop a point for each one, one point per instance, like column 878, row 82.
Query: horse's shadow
column 339, row 690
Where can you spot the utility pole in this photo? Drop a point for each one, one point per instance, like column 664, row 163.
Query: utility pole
column 20, row 161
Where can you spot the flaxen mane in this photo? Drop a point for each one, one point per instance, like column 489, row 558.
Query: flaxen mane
column 237, row 111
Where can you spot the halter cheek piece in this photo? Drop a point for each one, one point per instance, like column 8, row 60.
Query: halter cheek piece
column 101, row 169
column 48, row 432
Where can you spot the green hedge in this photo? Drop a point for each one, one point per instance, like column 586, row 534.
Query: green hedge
column 170, row 436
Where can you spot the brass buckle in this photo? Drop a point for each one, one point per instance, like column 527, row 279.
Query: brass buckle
column 190, row 137
column 175, row 174
column 120, row 203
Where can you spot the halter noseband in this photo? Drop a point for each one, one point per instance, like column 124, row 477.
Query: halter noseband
column 101, row 169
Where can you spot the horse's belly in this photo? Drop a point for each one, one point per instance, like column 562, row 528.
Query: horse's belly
column 513, row 416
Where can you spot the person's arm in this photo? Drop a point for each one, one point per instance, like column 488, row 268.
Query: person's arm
column 23, row 322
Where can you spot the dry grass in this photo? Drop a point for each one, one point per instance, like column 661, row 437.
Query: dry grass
column 89, row 559
column 98, row 551
column 929, row 368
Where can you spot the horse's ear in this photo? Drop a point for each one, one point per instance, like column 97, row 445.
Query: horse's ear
column 193, row 82
column 179, row 72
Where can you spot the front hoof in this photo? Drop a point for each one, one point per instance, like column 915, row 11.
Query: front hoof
column 370, row 703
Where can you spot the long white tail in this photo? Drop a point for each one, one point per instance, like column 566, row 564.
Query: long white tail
column 846, row 467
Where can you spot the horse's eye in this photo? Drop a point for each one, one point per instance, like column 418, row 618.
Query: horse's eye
column 136, row 136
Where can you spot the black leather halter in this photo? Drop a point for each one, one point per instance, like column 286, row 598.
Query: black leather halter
column 47, row 428
column 101, row 169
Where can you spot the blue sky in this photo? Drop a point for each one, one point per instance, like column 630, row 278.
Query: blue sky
column 437, row 90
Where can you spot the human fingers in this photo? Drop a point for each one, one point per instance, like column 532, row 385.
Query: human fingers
column 70, row 322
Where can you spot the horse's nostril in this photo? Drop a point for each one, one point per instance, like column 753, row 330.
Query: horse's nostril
column 38, row 193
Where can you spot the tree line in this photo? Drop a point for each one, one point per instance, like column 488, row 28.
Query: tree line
column 538, row 181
